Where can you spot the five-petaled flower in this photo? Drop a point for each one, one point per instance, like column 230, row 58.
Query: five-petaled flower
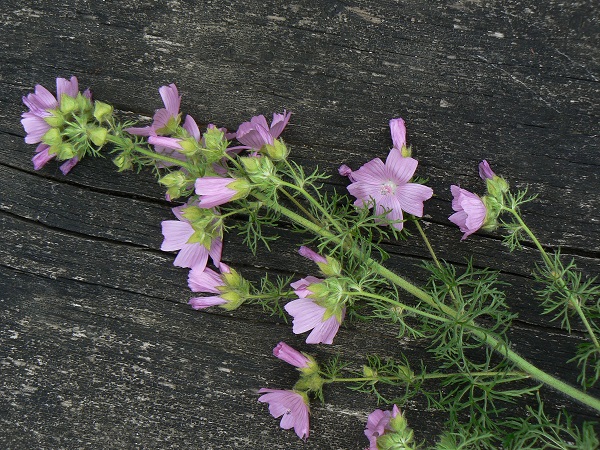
column 257, row 132
column 291, row 405
column 388, row 186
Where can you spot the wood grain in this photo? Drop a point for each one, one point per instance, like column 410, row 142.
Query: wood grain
column 98, row 348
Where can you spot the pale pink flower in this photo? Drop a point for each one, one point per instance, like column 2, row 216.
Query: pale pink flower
column 292, row 406
column 291, row 356
column 388, row 186
column 215, row 191
column 207, row 281
column 256, row 133
column 470, row 211
column 162, row 116
column 308, row 315
column 378, row 423
column 195, row 255
column 485, row 171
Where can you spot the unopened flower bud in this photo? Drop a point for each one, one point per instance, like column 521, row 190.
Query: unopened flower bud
column 83, row 104
column 368, row 372
column 259, row 169
column 123, row 162
column 176, row 178
column 331, row 268
column 98, row 136
column 276, row 151
column 65, row 151
column 189, row 146
column 251, row 164
column 102, row 110
column 213, row 138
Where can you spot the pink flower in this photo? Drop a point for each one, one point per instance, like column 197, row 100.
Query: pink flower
column 256, row 133
column 162, row 116
column 470, row 211
column 41, row 103
column 378, row 423
column 291, row 405
column 291, row 356
column 177, row 233
column 308, row 315
column 388, row 186
column 215, row 191
column 207, row 281
column 485, row 171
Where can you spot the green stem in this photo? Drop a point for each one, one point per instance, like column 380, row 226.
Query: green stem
column 492, row 342
column 573, row 299
column 427, row 243
column 433, row 376
column 300, row 207
column 397, row 304
column 315, row 203
column 128, row 143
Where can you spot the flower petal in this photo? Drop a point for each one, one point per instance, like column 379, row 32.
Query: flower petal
column 176, row 234
column 411, row 197
column 402, row 168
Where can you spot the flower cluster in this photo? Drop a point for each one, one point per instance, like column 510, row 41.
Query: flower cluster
column 66, row 127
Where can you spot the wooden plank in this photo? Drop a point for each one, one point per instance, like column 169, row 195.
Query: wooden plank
column 98, row 346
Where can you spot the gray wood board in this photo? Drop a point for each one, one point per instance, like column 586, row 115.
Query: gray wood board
column 98, row 346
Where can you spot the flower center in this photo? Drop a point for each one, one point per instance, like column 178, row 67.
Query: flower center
column 388, row 188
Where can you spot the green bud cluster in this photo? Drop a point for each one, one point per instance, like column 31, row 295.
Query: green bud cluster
column 260, row 169
column 76, row 127
column 277, row 151
column 176, row 182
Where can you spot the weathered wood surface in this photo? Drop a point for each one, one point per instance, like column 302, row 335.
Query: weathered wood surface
column 98, row 347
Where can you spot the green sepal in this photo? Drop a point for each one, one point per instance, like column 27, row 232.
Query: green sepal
column 171, row 126
column 52, row 137
column 56, row 119
column 102, row 110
